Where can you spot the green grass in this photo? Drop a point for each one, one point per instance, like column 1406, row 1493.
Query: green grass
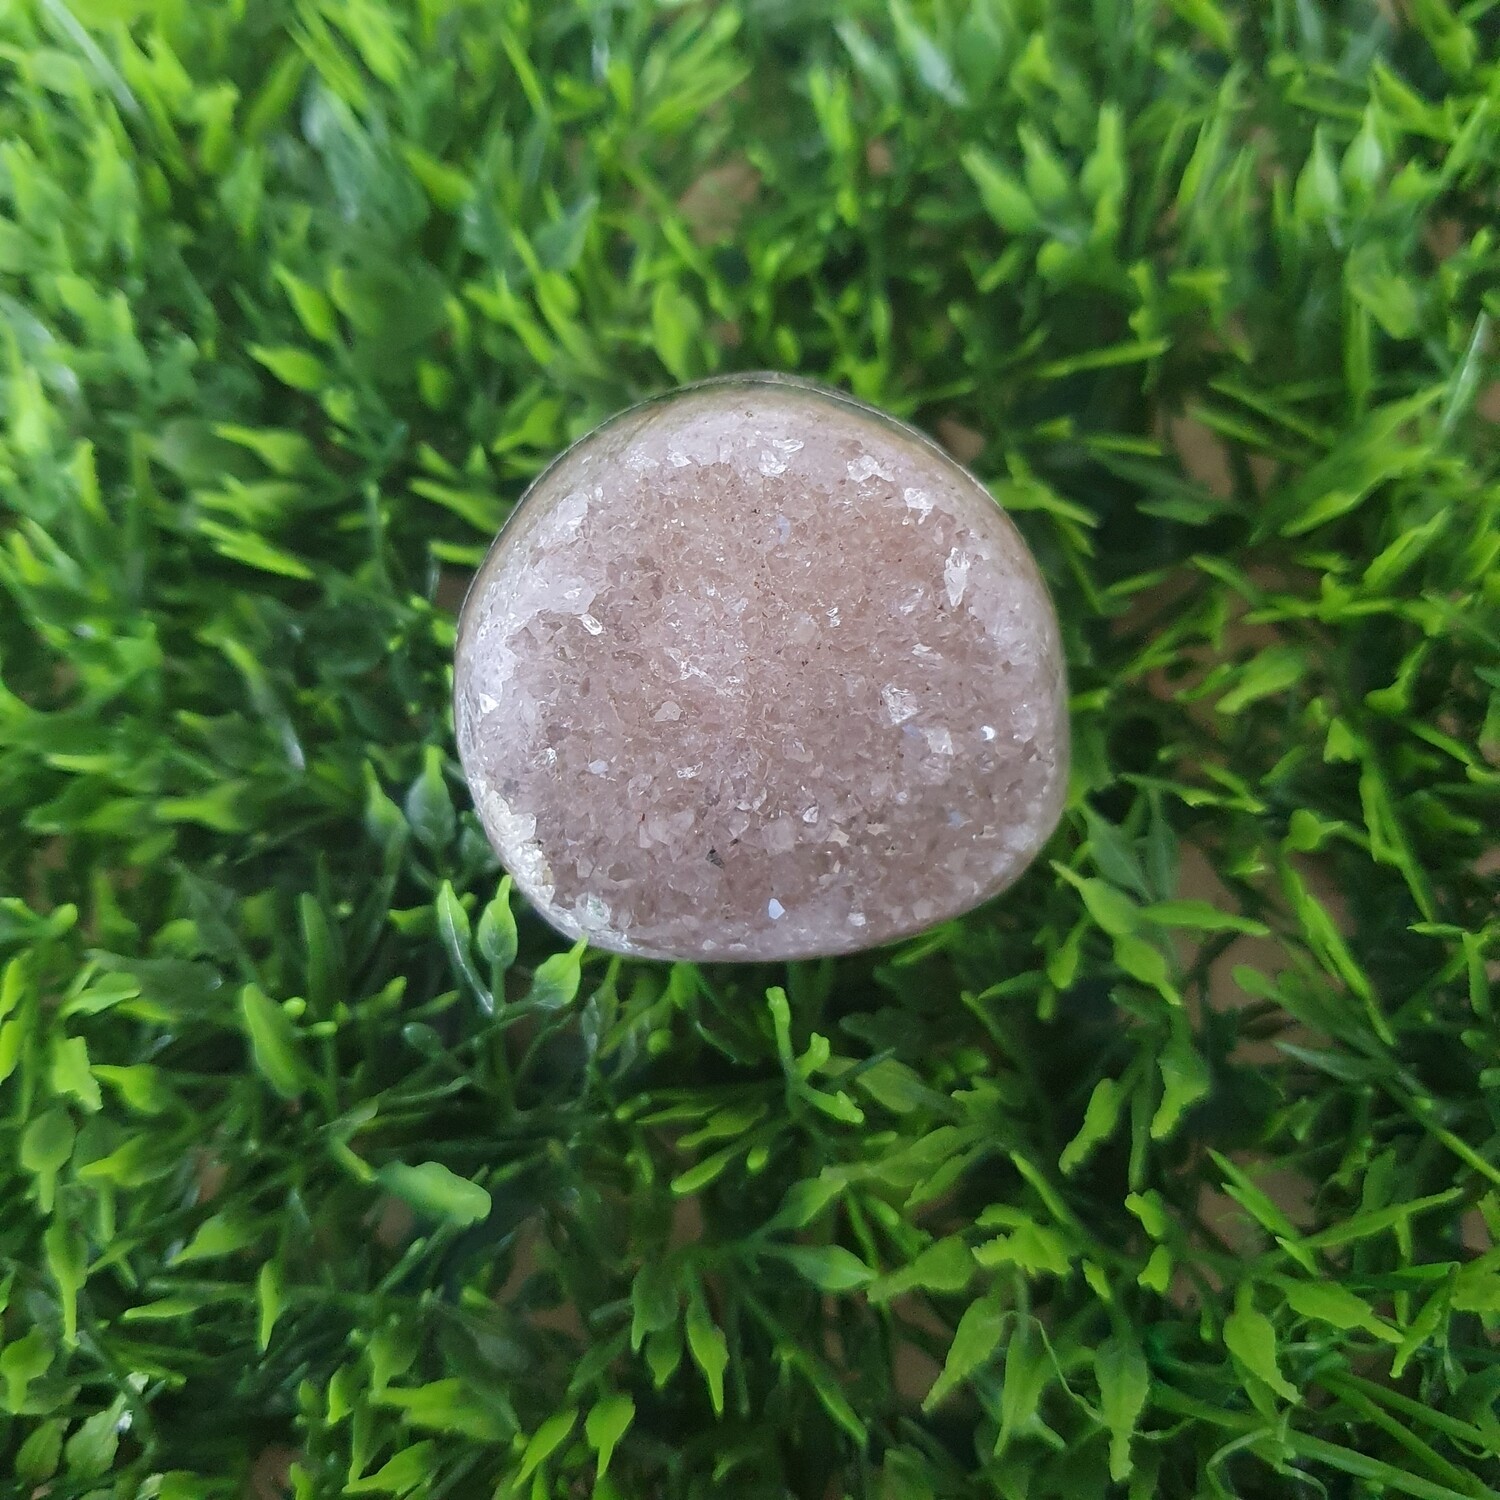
column 1175, row 1183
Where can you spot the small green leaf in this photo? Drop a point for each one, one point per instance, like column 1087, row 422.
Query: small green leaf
column 1331, row 1303
column 1099, row 1121
column 1145, row 962
column 448, row 1406
column 46, row 1146
column 496, row 933
column 282, row 451
column 313, row 309
column 545, row 1441
column 1124, row 1382
column 1047, row 179
column 1390, row 298
column 710, row 1169
column 1104, row 174
column 1423, row 1326
column 974, row 1340
column 1256, row 1203
column 830, row 1268
column 23, row 1360
column 1476, row 1288
column 826, row 1387
column 405, row 1470
column 608, row 1421
column 1185, row 1080
column 453, row 928
column 222, row 1234
column 273, row 1043
column 446, row 187
column 1151, row 1209
column 1156, row 1275
column 676, row 326
column 294, row 367
column 140, row 1085
column 324, row 959
column 729, row 1123
column 837, row 1106
column 898, row 1088
column 930, row 63
column 708, row 1347
column 67, row 1261
column 1375, row 1221
column 1250, row 1338
column 1028, row 1372
column 1271, row 671
column 946, row 1266
column 653, row 1302
column 71, row 1075
column 164, row 1310
column 803, row 1203
column 429, row 804
column 391, row 1352
column 270, row 1299
column 432, row 1189
column 1202, row 917
column 38, row 1457
column 556, row 980
column 384, row 822
column 1138, row 351
column 1207, row 16
column 12, row 1038
column 663, row 1354
column 1113, row 854
column 870, row 61
column 1005, row 200
column 91, row 1450
column 1035, row 1248
column 1110, row 907
column 1317, row 197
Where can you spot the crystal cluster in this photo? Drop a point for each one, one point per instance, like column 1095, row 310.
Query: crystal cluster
column 756, row 672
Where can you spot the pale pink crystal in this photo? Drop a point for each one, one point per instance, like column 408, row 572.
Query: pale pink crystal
column 756, row 672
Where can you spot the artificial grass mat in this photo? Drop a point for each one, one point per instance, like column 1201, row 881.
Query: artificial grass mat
column 1173, row 1173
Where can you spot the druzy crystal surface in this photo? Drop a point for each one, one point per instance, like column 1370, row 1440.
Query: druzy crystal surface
column 756, row 672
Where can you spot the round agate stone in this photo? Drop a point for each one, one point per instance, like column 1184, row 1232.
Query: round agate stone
column 756, row 672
